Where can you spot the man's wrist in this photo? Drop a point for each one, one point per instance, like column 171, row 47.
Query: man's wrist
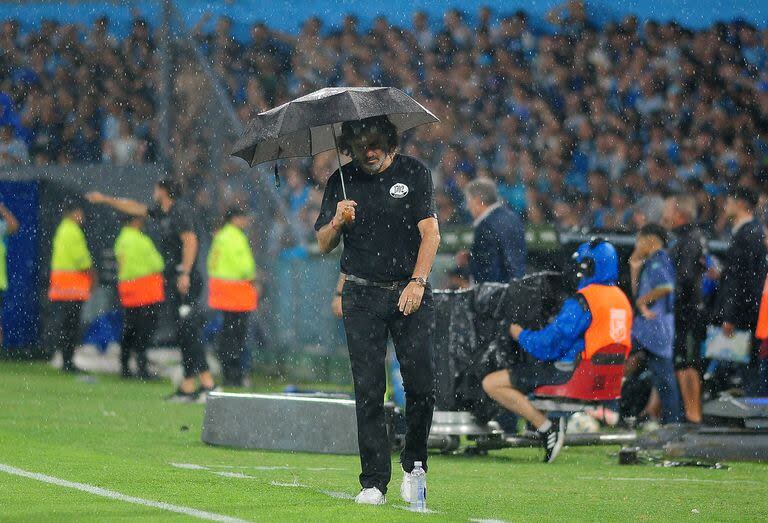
column 335, row 227
column 419, row 280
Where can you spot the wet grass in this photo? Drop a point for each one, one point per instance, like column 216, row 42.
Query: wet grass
column 121, row 436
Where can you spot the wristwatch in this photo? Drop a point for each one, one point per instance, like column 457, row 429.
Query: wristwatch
column 421, row 281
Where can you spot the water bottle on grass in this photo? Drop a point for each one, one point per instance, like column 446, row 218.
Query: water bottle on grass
column 419, row 486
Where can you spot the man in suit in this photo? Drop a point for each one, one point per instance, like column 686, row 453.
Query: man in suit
column 741, row 282
column 498, row 251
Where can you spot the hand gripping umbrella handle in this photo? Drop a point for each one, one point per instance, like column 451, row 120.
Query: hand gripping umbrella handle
column 338, row 158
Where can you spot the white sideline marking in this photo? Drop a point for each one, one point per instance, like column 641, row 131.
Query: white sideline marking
column 475, row 520
column 188, row 466
column 193, row 466
column 98, row 491
column 294, row 484
column 682, row 480
column 233, row 475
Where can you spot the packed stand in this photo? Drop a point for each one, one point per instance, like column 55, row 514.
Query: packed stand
column 581, row 126
column 584, row 127
column 76, row 95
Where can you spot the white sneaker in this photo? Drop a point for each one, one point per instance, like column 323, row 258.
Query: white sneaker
column 406, row 487
column 370, row 496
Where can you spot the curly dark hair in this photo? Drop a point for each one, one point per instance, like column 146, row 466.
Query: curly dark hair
column 353, row 129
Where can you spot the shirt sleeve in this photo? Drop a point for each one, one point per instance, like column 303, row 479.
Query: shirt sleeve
column 330, row 200
column 424, row 198
column 562, row 338
column 154, row 212
column 659, row 275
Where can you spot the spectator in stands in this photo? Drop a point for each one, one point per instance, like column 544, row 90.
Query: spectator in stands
column 655, row 106
column 12, row 150
column 653, row 331
column 124, row 149
column 688, row 254
column 599, row 315
column 498, row 250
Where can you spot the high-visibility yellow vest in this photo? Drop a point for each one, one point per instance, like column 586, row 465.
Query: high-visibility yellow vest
column 70, row 264
column 231, row 271
column 139, row 269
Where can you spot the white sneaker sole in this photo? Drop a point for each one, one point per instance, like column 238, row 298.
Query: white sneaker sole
column 382, row 501
column 559, row 444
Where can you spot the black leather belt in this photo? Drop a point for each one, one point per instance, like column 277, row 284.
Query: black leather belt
column 391, row 285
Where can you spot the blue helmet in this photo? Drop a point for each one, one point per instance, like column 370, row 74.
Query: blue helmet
column 597, row 262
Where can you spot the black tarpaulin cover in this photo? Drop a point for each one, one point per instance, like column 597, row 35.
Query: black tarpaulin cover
column 471, row 335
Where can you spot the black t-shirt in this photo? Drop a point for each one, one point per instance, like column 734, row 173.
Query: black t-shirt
column 179, row 219
column 382, row 244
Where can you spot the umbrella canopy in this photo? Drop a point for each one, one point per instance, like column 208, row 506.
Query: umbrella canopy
column 309, row 125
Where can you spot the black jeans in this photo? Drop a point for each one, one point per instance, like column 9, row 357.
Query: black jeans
column 186, row 315
column 370, row 316
column 139, row 325
column 232, row 345
column 65, row 331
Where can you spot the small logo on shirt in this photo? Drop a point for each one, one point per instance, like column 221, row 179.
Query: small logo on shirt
column 399, row 190
column 618, row 326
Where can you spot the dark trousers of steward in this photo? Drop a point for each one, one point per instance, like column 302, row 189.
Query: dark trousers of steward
column 232, row 346
column 370, row 316
column 139, row 325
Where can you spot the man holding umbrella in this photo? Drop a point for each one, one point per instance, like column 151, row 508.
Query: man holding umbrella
column 389, row 226
column 382, row 204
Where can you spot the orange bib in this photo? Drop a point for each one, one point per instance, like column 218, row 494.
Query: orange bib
column 611, row 319
column 232, row 295
column 70, row 286
column 141, row 291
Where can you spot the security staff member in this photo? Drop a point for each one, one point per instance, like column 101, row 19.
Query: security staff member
column 141, row 290
column 598, row 316
column 391, row 235
column 178, row 245
column 70, row 282
column 232, row 290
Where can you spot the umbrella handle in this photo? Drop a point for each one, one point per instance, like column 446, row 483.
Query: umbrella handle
column 338, row 158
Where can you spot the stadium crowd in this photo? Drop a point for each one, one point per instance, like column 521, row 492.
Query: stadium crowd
column 581, row 126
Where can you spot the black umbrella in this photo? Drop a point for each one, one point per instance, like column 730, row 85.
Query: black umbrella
column 311, row 124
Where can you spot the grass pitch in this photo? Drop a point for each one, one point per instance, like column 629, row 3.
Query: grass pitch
column 121, row 436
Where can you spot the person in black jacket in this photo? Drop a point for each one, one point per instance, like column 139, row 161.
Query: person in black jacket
column 688, row 253
column 744, row 271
